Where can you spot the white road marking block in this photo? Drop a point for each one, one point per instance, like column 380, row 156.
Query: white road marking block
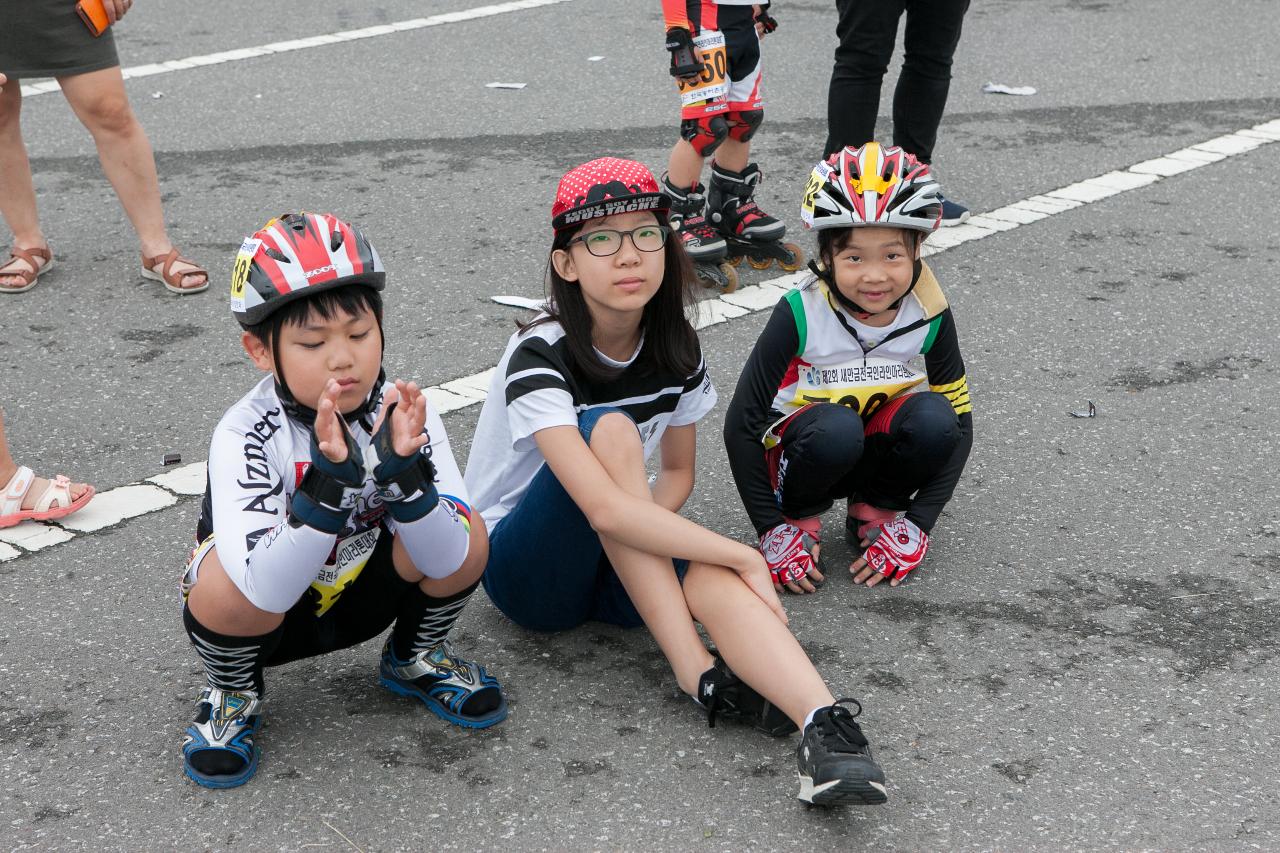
column 1193, row 155
column 476, row 385
column 113, row 507
column 954, row 235
column 187, row 480
column 1015, row 214
column 1230, row 144
column 754, row 297
column 33, row 535
column 991, row 223
column 8, row 553
column 1050, row 204
column 1271, row 127
column 1163, row 167
column 1258, row 134
column 444, row 401
column 713, row 311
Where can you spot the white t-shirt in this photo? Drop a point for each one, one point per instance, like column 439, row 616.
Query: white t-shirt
column 534, row 388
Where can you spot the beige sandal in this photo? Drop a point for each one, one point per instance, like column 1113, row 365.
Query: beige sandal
column 30, row 276
column 173, row 280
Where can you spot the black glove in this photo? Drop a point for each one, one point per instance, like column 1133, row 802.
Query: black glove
column 767, row 22
column 685, row 61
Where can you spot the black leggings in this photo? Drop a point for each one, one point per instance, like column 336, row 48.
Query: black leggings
column 867, row 32
column 827, row 453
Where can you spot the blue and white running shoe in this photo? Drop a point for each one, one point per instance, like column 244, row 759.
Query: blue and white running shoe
column 218, row 750
column 453, row 689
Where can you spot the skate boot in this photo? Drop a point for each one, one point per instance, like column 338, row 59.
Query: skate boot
column 218, row 750
column 748, row 230
column 702, row 243
column 722, row 694
column 835, row 763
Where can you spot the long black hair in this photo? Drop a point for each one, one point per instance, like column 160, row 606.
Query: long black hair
column 670, row 342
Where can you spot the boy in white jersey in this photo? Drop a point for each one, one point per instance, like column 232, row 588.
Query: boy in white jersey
column 856, row 389
column 334, row 505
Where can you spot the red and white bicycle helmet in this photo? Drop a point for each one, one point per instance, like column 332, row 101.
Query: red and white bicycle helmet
column 296, row 255
column 871, row 185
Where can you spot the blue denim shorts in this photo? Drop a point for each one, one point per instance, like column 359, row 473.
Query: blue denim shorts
column 547, row 570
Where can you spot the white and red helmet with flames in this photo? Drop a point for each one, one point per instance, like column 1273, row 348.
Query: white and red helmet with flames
column 871, row 185
column 297, row 255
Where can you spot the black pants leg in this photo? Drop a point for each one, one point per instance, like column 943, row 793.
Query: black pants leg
column 933, row 31
column 820, row 448
column 867, row 30
column 904, row 450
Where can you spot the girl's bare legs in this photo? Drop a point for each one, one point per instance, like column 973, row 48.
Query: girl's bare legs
column 17, row 193
column 758, row 648
column 100, row 102
column 649, row 579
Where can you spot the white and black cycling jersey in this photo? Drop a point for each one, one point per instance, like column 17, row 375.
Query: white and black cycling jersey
column 535, row 387
column 257, row 458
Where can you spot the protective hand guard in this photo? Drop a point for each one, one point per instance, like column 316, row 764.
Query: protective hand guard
column 766, row 21
column 406, row 484
column 784, row 550
column 328, row 491
column 685, row 61
column 896, row 548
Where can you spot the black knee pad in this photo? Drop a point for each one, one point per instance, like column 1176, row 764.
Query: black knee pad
column 747, row 122
column 705, row 133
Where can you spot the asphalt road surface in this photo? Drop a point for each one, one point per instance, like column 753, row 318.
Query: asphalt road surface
column 1088, row 659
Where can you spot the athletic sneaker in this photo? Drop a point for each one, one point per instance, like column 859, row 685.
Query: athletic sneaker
column 722, row 694
column 953, row 213
column 218, row 750
column 453, row 689
column 836, row 767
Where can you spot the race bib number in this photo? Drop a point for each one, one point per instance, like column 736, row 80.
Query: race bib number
column 863, row 387
column 240, row 274
column 713, row 82
column 349, row 558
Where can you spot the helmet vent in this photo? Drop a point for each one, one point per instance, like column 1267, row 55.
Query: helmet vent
column 273, row 252
column 335, row 241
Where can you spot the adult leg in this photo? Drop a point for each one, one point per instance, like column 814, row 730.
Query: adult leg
column 17, row 192
column 867, row 30
column 649, row 579
column 100, row 102
column 932, row 33
column 758, row 648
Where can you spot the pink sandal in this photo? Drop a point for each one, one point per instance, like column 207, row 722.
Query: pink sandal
column 54, row 502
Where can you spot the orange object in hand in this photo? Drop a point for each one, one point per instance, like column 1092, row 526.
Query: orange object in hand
column 94, row 16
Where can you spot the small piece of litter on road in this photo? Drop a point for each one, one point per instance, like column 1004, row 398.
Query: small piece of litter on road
column 1091, row 412
column 505, row 85
column 1194, row 595
column 171, row 459
column 594, row 58
column 1002, row 89
column 157, row 95
column 519, row 302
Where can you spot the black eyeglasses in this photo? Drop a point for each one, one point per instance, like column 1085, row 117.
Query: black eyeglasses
column 607, row 241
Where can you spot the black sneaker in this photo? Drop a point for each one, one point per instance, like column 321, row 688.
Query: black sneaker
column 722, row 694
column 953, row 213
column 836, row 767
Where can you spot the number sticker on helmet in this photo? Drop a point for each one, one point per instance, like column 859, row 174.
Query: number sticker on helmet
column 240, row 274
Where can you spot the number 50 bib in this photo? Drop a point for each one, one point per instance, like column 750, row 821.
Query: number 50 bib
column 713, row 82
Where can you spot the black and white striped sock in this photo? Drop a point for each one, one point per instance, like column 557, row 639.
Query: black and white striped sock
column 425, row 621
column 231, row 663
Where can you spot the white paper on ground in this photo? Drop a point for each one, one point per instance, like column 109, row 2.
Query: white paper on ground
column 1002, row 89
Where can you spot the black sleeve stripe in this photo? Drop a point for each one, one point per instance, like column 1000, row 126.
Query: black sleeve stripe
column 535, row 382
column 531, row 354
column 695, row 381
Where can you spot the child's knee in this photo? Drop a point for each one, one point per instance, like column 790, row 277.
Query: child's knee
column 831, row 439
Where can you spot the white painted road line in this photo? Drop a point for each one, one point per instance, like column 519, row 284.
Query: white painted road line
column 243, row 53
column 140, row 498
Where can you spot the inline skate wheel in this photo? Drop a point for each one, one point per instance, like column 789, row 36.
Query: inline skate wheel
column 759, row 263
column 730, row 283
column 797, row 258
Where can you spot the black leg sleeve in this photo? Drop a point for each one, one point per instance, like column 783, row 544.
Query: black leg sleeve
column 933, row 31
column 917, row 443
column 867, row 31
column 820, row 446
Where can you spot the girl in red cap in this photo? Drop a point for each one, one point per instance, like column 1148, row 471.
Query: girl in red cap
column 609, row 373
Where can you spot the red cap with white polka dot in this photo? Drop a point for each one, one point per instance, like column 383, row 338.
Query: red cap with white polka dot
column 605, row 187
